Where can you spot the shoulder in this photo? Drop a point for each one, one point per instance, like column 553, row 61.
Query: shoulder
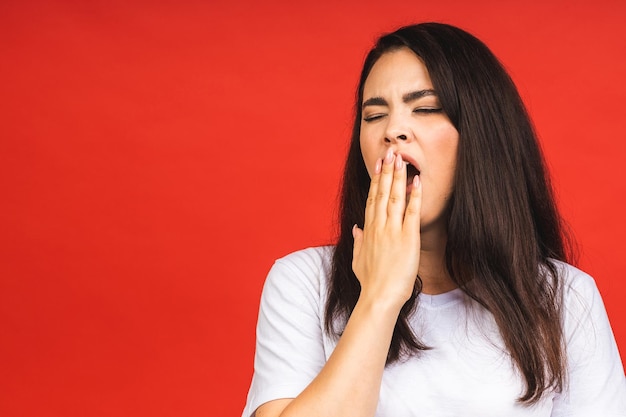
column 578, row 286
column 303, row 272
column 576, row 283
column 290, row 342
column 307, row 261
column 583, row 308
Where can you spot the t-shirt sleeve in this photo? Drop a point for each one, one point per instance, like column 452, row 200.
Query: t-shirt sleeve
column 596, row 385
column 289, row 346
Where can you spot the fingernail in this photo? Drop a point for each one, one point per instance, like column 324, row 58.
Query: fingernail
column 416, row 181
column 353, row 230
column 379, row 166
column 399, row 162
column 389, row 156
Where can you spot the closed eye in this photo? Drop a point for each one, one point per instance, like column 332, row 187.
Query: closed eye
column 373, row 117
column 428, row 110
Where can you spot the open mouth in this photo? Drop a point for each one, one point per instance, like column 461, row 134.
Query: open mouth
column 411, row 172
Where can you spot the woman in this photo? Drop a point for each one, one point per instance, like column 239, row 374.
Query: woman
column 448, row 292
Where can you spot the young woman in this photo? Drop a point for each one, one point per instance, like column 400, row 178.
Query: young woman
column 448, row 292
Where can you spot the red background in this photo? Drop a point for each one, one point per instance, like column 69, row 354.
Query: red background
column 156, row 157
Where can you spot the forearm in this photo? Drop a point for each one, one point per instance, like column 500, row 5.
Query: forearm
column 349, row 383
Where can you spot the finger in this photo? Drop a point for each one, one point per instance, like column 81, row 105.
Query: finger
column 357, row 234
column 397, row 196
column 384, row 188
column 371, row 196
column 411, row 225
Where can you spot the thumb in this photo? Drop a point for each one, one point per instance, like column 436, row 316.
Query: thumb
column 357, row 234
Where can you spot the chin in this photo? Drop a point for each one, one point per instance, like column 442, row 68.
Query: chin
column 429, row 225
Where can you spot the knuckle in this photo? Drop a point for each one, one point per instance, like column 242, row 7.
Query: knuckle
column 412, row 211
column 395, row 199
column 381, row 196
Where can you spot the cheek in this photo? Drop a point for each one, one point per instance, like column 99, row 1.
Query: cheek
column 447, row 146
column 446, row 149
column 448, row 158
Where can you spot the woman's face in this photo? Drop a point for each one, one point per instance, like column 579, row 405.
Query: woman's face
column 401, row 111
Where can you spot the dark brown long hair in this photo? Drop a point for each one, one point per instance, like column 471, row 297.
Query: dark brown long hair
column 504, row 229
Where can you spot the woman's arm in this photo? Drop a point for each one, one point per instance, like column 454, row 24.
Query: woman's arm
column 349, row 383
column 386, row 259
column 596, row 384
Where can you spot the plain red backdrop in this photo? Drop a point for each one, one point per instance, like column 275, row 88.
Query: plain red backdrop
column 158, row 156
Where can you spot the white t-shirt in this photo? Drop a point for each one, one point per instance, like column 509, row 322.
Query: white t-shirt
column 467, row 372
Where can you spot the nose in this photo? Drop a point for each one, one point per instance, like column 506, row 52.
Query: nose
column 401, row 137
column 397, row 130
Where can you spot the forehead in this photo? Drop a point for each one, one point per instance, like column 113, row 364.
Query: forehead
column 397, row 71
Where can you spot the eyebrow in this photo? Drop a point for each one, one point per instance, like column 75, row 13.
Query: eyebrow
column 407, row 98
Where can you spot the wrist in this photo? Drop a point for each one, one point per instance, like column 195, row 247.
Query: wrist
column 379, row 306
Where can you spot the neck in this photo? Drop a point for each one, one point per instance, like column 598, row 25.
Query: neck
column 432, row 269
